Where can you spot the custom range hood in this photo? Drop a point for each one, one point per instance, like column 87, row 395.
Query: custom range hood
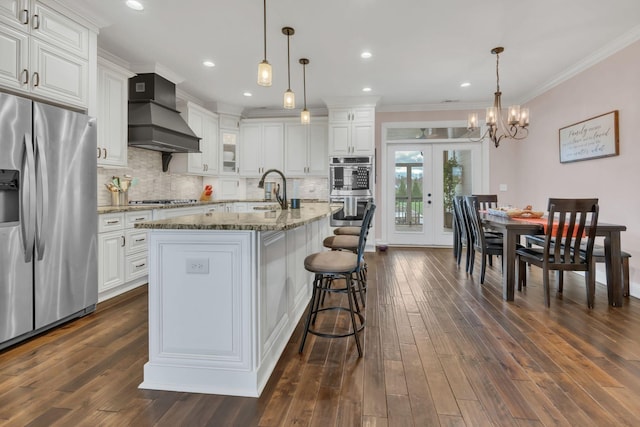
column 154, row 123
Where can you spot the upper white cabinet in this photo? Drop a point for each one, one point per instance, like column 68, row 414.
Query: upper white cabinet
column 305, row 149
column 112, row 94
column 229, row 137
column 204, row 124
column 45, row 53
column 352, row 131
column 261, row 147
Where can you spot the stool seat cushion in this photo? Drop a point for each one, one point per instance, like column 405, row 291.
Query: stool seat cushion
column 350, row 231
column 331, row 262
column 342, row 241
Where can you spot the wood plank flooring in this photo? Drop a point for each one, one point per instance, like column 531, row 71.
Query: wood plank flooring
column 440, row 350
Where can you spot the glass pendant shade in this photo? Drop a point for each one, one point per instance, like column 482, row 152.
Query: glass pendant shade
column 264, row 73
column 305, row 117
column 289, row 100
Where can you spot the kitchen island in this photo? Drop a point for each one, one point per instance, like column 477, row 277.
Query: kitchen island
column 226, row 291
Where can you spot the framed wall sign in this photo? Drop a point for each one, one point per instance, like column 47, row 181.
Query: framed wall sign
column 590, row 139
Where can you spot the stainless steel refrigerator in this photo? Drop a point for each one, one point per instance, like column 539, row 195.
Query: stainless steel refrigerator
column 48, row 218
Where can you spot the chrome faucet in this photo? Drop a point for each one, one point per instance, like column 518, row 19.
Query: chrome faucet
column 282, row 200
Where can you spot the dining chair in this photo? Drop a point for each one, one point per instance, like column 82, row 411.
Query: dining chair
column 461, row 233
column 486, row 201
column 487, row 246
column 567, row 221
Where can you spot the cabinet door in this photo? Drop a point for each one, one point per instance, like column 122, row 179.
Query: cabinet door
column 14, row 60
column 273, row 146
column 340, row 138
column 362, row 138
column 12, row 13
column 57, row 74
column 250, row 149
column 110, row 260
column 295, row 149
column 58, row 30
column 195, row 162
column 210, row 147
column 112, row 117
column 318, row 155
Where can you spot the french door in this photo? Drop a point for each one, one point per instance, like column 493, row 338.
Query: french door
column 420, row 181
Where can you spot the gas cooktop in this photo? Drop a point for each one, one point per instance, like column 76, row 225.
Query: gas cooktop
column 164, row 202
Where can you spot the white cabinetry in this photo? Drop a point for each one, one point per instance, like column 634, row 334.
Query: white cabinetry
column 44, row 53
column 229, row 136
column 122, row 253
column 174, row 212
column 261, row 147
column 305, row 149
column 352, row 131
column 204, row 124
column 113, row 93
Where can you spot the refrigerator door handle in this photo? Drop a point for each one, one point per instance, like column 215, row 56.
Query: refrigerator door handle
column 42, row 184
column 28, row 199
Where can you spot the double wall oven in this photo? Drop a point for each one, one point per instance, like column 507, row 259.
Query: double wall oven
column 350, row 183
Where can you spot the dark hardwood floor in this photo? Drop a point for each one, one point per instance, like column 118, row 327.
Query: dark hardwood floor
column 440, row 350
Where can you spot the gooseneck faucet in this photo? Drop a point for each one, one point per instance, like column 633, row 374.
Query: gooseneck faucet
column 282, row 200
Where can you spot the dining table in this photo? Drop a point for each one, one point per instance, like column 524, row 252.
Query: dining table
column 512, row 229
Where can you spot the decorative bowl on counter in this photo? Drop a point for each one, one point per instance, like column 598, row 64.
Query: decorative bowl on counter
column 228, row 156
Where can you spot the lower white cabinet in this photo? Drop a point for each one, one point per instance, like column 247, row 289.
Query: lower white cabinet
column 122, row 253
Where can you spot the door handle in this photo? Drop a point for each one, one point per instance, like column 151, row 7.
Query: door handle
column 28, row 199
column 42, row 185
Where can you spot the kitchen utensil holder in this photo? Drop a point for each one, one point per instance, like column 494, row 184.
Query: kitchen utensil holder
column 124, row 198
column 115, row 198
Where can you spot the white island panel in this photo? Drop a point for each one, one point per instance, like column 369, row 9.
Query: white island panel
column 223, row 330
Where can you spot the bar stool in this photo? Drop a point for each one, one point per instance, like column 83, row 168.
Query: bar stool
column 327, row 267
column 346, row 239
column 349, row 231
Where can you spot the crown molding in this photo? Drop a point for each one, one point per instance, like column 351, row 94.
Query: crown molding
column 597, row 56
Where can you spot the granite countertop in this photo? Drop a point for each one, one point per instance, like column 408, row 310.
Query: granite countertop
column 133, row 208
column 273, row 220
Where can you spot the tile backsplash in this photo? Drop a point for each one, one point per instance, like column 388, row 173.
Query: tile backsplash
column 146, row 166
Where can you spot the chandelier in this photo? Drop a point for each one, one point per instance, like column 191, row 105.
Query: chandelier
column 265, row 74
column 517, row 121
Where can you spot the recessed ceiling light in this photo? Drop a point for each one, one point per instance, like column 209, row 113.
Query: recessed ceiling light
column 465, row 84
column 208, row 64
column 135, row 5
column 365, row 55
column 247, row 94
column 366, row 89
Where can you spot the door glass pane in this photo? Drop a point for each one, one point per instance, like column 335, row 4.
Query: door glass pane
column 409, row 171
column 457, row 164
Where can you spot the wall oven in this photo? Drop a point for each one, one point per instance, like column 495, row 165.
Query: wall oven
column 351, row 184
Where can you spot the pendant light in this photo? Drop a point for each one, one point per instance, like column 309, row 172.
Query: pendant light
column 264, row 68
column 305, row 116
column 289, row 96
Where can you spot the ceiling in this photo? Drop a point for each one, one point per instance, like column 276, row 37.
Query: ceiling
column 422, row 49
